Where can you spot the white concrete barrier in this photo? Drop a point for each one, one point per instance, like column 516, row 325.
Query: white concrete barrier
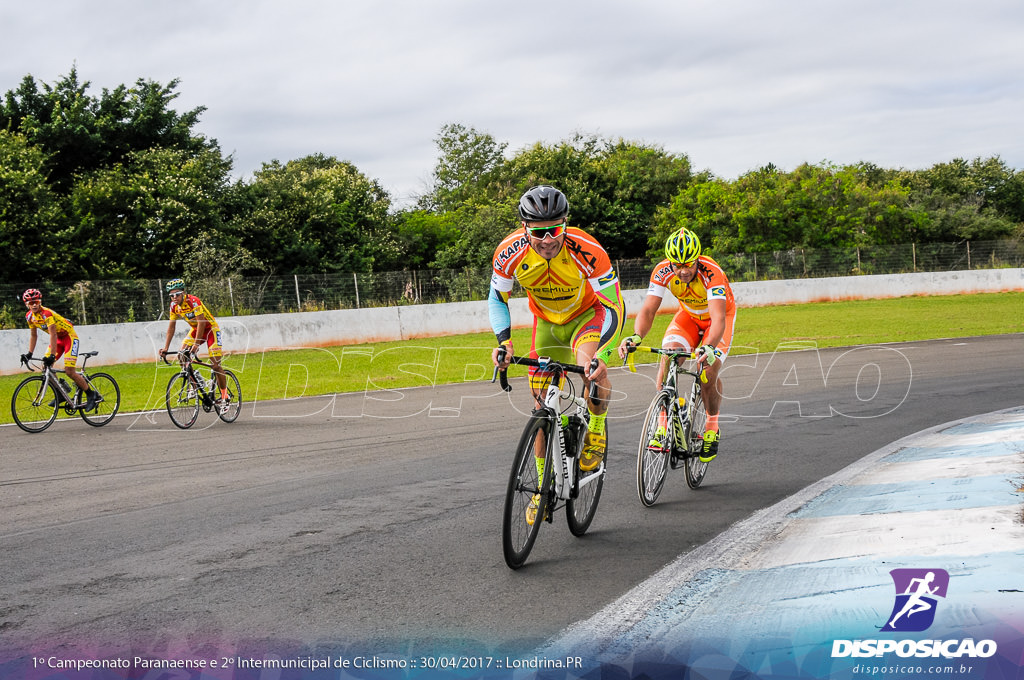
column 139, row 342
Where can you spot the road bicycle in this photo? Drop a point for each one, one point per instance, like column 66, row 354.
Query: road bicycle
column 39, row 398
column 673, row 431
column 188, row 391
column 557, row 434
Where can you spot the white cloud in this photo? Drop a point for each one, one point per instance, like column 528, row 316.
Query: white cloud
column 734, row 85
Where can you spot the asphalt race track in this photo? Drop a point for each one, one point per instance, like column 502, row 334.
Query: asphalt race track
column 374, row 520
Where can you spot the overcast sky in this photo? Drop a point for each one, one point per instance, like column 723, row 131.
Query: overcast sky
column 733, row 84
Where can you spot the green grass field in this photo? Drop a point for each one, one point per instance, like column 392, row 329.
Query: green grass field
column 309, row 372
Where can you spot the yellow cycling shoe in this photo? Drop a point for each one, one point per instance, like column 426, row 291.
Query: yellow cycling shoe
column 710, row 446
column 593, row 451
column 531, row 509
column 658, row 440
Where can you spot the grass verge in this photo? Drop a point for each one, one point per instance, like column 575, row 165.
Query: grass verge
column 309, row 372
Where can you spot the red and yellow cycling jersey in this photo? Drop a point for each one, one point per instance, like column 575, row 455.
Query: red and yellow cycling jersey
column 709, row 283
column 46, row 318
column 559, row 289
column 190, row 309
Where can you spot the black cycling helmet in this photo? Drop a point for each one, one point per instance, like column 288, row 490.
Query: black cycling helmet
column 543, row 203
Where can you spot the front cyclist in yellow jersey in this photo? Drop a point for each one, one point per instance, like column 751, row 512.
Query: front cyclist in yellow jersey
column 203, row 328
column 573, row 293
column 706, row 305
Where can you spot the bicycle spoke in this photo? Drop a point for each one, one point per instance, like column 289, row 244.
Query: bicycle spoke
column 182, row 401
column 34, row 404
column 518, row 533
column 108, row 403
column 695, row 469
column 654, row 450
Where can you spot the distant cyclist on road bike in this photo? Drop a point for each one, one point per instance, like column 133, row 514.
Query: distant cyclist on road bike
column 204, row 329
column 63, row 342
column 706, row 304
column 574, row 296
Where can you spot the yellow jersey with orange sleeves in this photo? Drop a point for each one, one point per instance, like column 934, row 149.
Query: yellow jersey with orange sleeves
column 190, row 309
column 46, row 318
column 709, row 283
column 564, row 287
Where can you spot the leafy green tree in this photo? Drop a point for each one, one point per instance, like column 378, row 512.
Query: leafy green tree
column 311, row 215
column 30, row 213
column 978, row 200
column 468, row 161
column 136, row 219
column 81, row 133
column 415, row 239
column 482, row 226
column 613, row 187
column 811, row 207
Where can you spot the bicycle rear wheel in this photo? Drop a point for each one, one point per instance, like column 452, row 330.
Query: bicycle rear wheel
column 34, row 404
column 182, row 401
column 652, row 462
column 579, row 511
column 518, row 535
column 235, row 395
column 694, row 468
column 105, row 410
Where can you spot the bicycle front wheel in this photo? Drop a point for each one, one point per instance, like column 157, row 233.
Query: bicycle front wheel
column 110, row 400
column 34, row 404
column 580, row 511
column 182, row 401
column 230, row 414
column 655, row 449
column 518, row 533
column 695, row 469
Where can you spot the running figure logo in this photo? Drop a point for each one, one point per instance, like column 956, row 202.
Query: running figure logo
column 917, row 591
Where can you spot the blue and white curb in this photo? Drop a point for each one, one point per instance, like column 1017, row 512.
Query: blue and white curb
column 771, row 595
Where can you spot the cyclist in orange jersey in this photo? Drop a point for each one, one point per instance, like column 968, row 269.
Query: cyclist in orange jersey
column 574, row 295
column 63, row 341
column 707, row 315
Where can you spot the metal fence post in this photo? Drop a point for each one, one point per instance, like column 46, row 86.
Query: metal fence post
column 913, row 255
column 968, row 254
column 298, row 298
column 355, row 281
column 231, row 294
column 81, row 291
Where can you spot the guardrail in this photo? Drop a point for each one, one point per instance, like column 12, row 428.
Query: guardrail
column 139, row 341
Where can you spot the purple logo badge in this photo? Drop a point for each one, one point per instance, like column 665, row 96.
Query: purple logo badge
column 917, row 593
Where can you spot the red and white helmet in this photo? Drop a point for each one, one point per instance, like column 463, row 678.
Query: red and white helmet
column 31, row 294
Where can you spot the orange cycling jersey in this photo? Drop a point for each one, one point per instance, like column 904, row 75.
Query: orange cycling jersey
column 709, row 283
column 189, row 309
column 46, row 317
column 559, row 289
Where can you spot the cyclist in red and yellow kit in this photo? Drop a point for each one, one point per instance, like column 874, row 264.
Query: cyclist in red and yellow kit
column 574, row 295
column 63, row 341
column 706, row 316
column 204, row 329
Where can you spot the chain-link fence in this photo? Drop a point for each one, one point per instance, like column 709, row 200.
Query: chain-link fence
column 94, row 302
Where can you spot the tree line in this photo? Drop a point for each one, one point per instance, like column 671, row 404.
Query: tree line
column 120, row 185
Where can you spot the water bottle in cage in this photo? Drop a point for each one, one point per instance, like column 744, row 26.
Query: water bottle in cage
column 683, row 418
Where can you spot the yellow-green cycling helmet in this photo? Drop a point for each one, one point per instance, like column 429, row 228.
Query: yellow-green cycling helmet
column 175, row 284
column 682, row 246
